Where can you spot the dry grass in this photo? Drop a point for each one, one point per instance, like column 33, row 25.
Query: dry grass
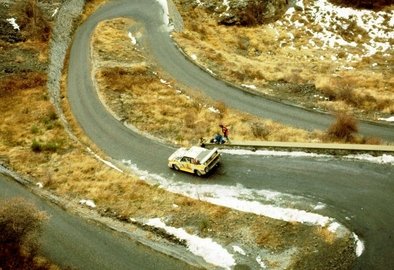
column 344, row 128
column 258, row 54
column 169, row 111
column 90, row 7
column 15, row 83
column 370, row 92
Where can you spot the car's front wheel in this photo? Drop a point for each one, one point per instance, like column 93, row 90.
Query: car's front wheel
column 175, row 167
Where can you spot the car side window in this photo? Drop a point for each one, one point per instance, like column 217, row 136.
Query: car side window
column 185, row 159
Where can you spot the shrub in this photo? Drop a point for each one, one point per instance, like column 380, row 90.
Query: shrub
column 36, row 146
column 50, row 146
column 50, row 119
column 259, row 130
column 20, row 226
column 203, row 224
column 34, row 129
column 252, row 14
column 343, row 128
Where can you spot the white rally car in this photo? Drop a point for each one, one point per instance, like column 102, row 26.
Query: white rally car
column 195, row 160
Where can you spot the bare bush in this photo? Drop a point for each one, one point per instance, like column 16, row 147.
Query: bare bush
column 259, row 130
column 343, row 128
column 20, row 226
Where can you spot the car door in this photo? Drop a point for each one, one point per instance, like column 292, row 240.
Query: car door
column 186, row 164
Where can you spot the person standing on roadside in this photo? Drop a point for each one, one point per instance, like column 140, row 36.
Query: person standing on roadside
column 225, row 132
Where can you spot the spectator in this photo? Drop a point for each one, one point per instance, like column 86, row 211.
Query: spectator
column 225, row 132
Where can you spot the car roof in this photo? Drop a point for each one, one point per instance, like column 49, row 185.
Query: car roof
column 195, row 152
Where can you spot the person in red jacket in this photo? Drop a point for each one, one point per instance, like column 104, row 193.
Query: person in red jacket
column 225, row 132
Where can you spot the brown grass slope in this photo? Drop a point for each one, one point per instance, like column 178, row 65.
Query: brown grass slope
column 288, row 62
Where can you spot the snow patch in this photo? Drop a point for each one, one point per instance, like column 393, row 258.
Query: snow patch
column 209, row 250
column 12, row 21
column 89, row 203
column 166, row 18
column 334, row 21
column 260, row 262
column 319, row 206
column 55, row 12
column 132, row 38
column 214, row 110
column 389, row 119
column 285, row 214
column 210, row 71
column 270, row 153
column 333, row 227
column 384, row 159
column 239, row 250
column 226, row 4
column 250, row 86
column 360, row 247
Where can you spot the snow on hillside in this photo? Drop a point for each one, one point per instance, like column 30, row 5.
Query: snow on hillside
column 332, row 26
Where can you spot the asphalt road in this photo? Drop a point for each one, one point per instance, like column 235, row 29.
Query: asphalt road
column 358, row 194
column 71, row 241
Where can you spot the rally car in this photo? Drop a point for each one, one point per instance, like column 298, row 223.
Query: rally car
column 195, row 160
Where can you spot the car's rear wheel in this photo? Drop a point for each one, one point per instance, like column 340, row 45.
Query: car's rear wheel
column 198, row 173
column 175, row 167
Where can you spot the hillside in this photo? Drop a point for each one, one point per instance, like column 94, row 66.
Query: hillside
column 317, row 54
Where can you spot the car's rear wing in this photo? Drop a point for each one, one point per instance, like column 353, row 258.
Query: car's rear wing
column 213, row 152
